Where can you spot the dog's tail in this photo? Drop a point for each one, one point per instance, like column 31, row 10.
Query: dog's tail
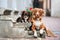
column 50, row 33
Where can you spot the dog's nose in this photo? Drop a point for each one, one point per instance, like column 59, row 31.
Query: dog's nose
column 37, row 13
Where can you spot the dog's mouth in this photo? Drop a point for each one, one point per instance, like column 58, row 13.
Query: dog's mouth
column 37, row 19
column 25, row 17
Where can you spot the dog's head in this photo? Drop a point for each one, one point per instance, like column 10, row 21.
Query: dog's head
column 37, row 12
column 25, row 15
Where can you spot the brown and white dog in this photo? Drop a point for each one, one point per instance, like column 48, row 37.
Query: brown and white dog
column 37, row 14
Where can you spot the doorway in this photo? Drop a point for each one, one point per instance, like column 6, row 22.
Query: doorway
column 41, row 4
column 37, row 4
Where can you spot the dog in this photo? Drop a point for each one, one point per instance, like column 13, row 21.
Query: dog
column 25, row 16
column 37, row 23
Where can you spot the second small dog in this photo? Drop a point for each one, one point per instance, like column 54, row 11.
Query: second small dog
column 25, row 16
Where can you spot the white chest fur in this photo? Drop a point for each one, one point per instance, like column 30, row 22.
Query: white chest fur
column 37, row 23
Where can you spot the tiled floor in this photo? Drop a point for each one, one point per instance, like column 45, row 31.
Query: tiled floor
column 52, row 23
column 47, row 38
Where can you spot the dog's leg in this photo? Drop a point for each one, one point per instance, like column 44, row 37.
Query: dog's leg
column 34, row 30
column 42, row 29
column 35, row 33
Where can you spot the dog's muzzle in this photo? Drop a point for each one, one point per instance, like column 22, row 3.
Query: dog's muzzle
column 25, row 17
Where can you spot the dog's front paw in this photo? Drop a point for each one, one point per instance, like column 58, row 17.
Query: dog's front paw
column 35, row 34
column 41, row 31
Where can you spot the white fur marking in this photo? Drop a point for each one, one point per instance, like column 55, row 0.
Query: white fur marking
column 35, row 33
column 37, row 13
column 41, row 31
column 37, row 23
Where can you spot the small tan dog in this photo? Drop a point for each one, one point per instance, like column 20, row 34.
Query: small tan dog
column 37, row 14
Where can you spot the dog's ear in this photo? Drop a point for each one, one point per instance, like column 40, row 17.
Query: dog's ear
column 33, row 11
column 41, row 12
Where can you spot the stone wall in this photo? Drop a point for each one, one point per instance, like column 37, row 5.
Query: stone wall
column 5, row 27
column 9, row 14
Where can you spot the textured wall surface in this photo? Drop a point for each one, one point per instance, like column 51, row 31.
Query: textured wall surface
column 55, row 11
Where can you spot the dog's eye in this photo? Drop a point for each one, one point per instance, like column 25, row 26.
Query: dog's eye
column 40, row 13
column 34, row 13
column 40, row 19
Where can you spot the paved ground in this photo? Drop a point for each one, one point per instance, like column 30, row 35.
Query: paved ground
column 47, row 38
column 52, row 23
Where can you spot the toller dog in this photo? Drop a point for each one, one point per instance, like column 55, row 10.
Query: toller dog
column 37, row 14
